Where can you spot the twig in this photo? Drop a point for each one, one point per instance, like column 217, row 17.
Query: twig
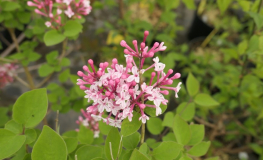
column 22, row 81
column 121, row 8
column 209, row 37
column 45, row 80
column 13, row 46
column 204, row 122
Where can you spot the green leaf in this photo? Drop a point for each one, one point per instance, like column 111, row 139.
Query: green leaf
column 258, row 18
column 113, row 144
column 45, row 69
column 31, row 107
column 223, row 5
column 168, row 119
column 198, row 134
column 70, row 133
column 9, row 5
column 89, row 152
column 104, row 128
column 49, row 146
column 131, row 141
column 181, row 130
column 190, row 4
column 186, row 110
column 20, row 154
column 32, row 56
column 14, row 127
column 154, row 125
column 192, row 85
column 169, row 137
column 23, row 17
column 137, row 155
column 200, row 149
column 3, row 116
column 31, row 136
column 71, row 143
column 53, row 37
column 253, row 44
column 128, row 128
column 63, row 76
column 167, row 150
column 10, row 143
column 205, row 100
column 85, row 135
column 72, row 28
column 65, row 62
column 242, row 47
column 52, row 57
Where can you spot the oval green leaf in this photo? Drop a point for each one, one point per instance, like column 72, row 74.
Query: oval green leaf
column 137, row 155
column 205, row 100
column 53, row 37
column 167, row 150
column 186, row 110
column 131, row 141
column 128, row 128
column 89, row 152
column 10, row 143
column 192, row 85
column 198, row 134
column 113, row 144
column 31, row 107
column 200, row 149
column 154, row 125
column 181, row 130
column 49, row 146
column 85, row 135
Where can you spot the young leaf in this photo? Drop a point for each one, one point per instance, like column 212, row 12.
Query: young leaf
column 223, row 5
column 258, row 18
column 198, row 133
column 89, row 152
column 181, row 130
column 205, row 100
column 192, row 85
column 85, row 135
column 113, row 144
column 45, row 69
column 104, row 128
column 31, row 107
column 71, row 143
column 128, row 128
column 72, row 28
column 154, row 125
column 167, row 150
column 168, row 119
column 137, row 155
column 49, row 146
column 185, row 158
column 53, row 37
column 190, row 4
column 131, row 141
column 51, row 57
column 31, row 136
column 186, row 110
column 63, row 76
column 10, row 143
column 200, row 149
column 14, row 127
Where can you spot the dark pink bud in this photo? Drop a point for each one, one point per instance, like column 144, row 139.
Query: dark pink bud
column 134, row 42
column 85, row 68
column 126, row 51
column 131, row 91
column 106, row 64
column 80, row 73
column 170, row 71
column 142, row 45
column 142, row 106
column 146, row 33
column 101, row 65
column 82, row 87
column 90, row 61
column 176, row 76
column 123, row 43
column 165, row 92
column 129, row 65
column 169, row 82
column 115, row 61
column 153, row 74
column 150, row 54
column 156, row 44
column 108, row 93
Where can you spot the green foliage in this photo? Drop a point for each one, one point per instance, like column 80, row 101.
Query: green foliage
column 72, row 28
column 186, row 110
column 113, row 144
column 85, row 135
column 89, row 152
column 205, row 100
column 192, row 85
column 154, row 125
column 128, row 127
column 167, row 150
column 199, row 149
column 31, row 108
column 49, row 145
column 131, row 141
column 10, row 143
column 138, row 155
column 181, row 130
column 53, row 37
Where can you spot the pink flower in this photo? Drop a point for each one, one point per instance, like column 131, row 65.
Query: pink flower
column 48, row 24
column 69, row 12
column 7, row 73
column 117, row 89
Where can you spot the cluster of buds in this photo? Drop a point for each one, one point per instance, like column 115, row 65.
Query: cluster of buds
column 89, row 122
column 71, row 8
column 119, row 89
column 7, row 72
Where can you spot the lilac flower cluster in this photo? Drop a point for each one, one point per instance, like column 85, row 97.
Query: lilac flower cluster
column 90, row 122
column 118, row 89
column 7, row 72
column 71, row 8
